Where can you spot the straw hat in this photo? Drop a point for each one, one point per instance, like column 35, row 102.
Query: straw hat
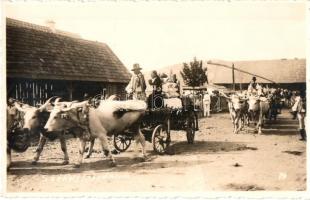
column 136, row 66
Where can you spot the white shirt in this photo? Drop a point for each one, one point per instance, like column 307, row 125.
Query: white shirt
column 206, row 98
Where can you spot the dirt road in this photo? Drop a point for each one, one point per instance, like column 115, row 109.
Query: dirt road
column 218, row 160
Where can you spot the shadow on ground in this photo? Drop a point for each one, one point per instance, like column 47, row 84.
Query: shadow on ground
column 130, row 164
column 207, row 147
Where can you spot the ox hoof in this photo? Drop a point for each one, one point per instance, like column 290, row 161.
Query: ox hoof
column 140, row 159
column 88, row 156
column 76, row 165
column 146, row 158
column 112, row 164
column 65, row 162
column 115, row 152
column 34, row 162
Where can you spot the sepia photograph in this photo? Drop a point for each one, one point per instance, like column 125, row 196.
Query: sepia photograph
column 154, row 96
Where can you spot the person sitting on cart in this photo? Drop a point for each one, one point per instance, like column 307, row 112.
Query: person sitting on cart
column 156, row 83
column 176, row 81
column 254, row 88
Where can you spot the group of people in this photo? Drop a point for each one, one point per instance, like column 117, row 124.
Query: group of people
column 137, row 85
column 137, row 88
column 295, row 100
column 286, row 95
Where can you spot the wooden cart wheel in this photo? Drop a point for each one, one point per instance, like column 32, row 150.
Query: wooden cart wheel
column 190, row 130
column 160, row 139
column 121, row 142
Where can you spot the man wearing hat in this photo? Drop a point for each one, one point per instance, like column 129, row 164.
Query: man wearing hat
column 254, row 88
column 137, row 85
column 253, row 82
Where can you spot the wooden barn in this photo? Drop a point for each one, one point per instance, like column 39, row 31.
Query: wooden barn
column 43, row 62
column 281, row 73
column 285, row 73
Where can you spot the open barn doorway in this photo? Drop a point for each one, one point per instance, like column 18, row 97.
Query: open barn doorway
column 91, row 88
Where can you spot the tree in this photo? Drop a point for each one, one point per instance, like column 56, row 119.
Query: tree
column 194, row 74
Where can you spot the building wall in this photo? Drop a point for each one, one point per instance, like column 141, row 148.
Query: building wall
column 35, row 92
column 289, row 86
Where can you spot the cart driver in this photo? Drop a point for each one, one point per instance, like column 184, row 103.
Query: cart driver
column 155, row 82
column 254, row 88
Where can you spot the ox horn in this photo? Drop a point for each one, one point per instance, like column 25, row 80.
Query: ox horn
column 72, row 103
column 75, row 104
column 224, row 95
column 46, row 103
column 66, row 109
column 18, row 107
column 113, row 97
column 57, row 100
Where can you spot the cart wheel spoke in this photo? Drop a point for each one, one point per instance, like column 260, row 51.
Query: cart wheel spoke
column 118, row 142
column 121, row 143
column 127, row 142
column 160, row 139
column 158, row 146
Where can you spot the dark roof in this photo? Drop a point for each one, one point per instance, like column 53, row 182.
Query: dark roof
column 37, row 52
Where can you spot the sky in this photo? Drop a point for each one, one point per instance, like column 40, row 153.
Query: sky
column 158, row 34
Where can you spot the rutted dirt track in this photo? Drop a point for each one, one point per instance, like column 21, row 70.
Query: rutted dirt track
column 218, row 160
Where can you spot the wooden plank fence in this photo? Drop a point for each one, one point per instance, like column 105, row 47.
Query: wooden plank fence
column 31, row 92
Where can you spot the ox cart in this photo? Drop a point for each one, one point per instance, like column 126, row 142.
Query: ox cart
column 159, row 120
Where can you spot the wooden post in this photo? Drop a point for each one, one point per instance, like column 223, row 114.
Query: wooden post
column 70, row 89
column 233, row 76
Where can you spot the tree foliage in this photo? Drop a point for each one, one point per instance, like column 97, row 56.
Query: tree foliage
column 194, row 74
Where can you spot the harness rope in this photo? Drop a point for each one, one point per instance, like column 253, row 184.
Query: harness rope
column 83, row 121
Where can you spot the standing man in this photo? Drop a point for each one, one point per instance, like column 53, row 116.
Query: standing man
column 206, row 104
column 299, row 111
column 252, row 86
column 137, row 85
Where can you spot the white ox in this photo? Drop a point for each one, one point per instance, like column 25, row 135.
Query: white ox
column 259, row 108
column 33, row 120
column 111, row 117
column 238, row 109
column 13, row 123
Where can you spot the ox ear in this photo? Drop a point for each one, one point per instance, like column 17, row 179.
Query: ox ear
column 49, row 110
column 19, row 108
column 228, row 98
